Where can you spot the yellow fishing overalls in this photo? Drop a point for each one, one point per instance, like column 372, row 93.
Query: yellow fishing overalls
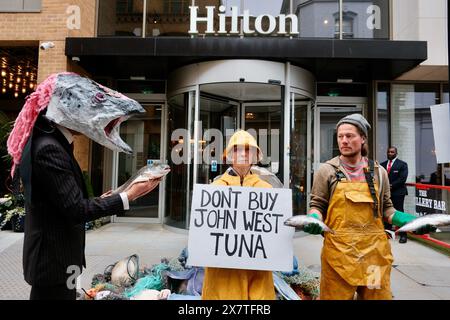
column 238, row 284
column 357, row 258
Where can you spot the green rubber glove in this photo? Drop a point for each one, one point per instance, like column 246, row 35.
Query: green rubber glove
column 401, row 218
column 313, row 228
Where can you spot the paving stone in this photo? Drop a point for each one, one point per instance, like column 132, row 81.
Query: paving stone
column 415, row 263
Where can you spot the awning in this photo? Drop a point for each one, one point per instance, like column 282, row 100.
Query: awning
column 328, row 59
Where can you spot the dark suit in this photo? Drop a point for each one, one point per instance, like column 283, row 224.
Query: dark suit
column 57, row 208
column 397, row 179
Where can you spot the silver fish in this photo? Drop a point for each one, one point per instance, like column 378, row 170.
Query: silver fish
column 436, row 220
column 149, row 172
column 301, row 221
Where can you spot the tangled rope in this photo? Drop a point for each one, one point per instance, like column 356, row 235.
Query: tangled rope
column 153, row 281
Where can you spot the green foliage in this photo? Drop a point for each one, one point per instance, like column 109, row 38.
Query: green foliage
column 5, row 128
column 11, row 206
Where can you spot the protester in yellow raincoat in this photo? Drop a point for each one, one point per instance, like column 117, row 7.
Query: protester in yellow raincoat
column 237, row 284
column 351, row 195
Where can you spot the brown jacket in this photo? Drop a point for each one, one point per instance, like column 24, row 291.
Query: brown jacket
column 325, row 182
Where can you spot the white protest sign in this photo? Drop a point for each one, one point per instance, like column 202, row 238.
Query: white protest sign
column 440, row 117
column 241, row 228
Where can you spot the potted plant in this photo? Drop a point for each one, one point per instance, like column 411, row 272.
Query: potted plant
column 5, row 205
column 5, row 159
column 12, row 210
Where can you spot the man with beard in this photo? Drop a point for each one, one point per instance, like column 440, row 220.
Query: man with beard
column 351, row 194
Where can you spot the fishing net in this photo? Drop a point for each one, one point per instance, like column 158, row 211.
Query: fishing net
column 153, row 281
column 305, row 281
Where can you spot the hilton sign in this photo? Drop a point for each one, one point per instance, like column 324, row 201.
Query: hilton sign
column 245, row 22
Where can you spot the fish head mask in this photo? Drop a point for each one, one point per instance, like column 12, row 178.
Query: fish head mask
column 83, row 105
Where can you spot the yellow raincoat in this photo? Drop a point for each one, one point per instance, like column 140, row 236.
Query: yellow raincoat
column 238, row 284
column 357, row 258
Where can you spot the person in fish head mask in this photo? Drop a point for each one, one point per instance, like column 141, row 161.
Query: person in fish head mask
column 351, row 194
column 56, row 199
column 238, row 284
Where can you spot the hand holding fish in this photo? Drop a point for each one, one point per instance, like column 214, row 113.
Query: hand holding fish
column 139, row 189
column 107, row 194
column 310, row 223
column 145, row 174
column 425, row 224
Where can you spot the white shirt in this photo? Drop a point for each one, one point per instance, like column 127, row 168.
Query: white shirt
column 69, row 136
column 392, row 163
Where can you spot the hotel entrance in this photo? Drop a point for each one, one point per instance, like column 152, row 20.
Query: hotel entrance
column 209, row 101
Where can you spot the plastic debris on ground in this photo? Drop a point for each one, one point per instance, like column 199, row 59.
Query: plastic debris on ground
column 172, row 279
column 305, row 282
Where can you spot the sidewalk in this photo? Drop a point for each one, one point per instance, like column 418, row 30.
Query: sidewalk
column 419, row 272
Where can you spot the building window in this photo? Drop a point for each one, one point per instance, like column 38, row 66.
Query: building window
column 445, row 96
column 177, row 6
column 412, row 130
column 348, row 19
column 124, row 6
column 382, row 127
column 20, row 5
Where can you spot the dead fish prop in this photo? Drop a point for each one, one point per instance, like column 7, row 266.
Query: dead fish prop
column 436, row 220
column 149, row 172
column 301, row 221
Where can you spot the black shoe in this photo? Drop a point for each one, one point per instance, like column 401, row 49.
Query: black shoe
column 403, row 238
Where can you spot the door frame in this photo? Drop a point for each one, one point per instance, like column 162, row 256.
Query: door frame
column 309, row 105
column 324, row 102
column 157, row 99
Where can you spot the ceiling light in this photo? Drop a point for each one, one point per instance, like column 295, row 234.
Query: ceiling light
column 344, row 80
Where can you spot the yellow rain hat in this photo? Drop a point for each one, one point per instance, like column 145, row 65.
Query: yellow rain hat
column 242, row 138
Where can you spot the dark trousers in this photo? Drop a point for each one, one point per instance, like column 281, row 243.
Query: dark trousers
column 57, row 292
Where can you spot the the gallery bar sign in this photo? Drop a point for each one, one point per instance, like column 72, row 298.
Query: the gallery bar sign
column 264, row 24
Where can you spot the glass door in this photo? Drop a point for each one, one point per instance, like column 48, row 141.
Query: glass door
column 264, row 120
column 180, row 148
column 300, row 152
column 219, row 120
column 143, row 134
column 325, row 136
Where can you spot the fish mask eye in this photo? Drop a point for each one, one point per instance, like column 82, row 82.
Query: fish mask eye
column 98, row 98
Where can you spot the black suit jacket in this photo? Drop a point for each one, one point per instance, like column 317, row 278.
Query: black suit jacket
column 57, row 207
column 397, row 177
